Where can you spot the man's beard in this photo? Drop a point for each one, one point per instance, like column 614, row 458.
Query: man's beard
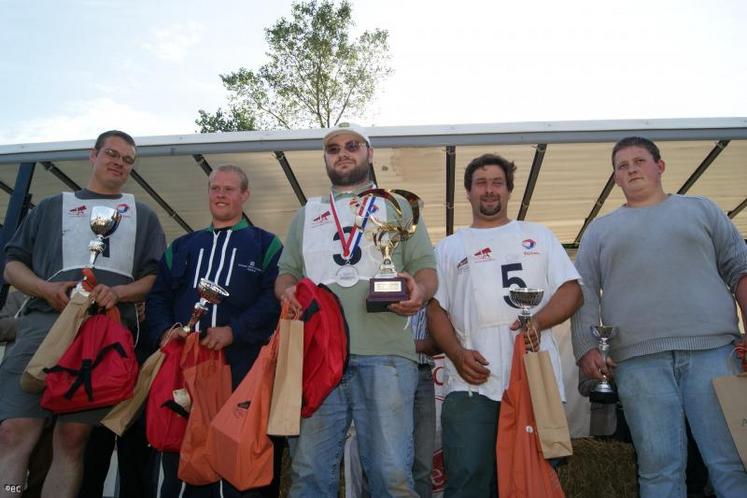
column 354, row 176
column 486, row 211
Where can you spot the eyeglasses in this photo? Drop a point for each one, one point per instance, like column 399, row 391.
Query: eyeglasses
column 352, row 146
column 114, row 154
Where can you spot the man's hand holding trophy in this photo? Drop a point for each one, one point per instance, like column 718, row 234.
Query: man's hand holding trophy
column 387, row 287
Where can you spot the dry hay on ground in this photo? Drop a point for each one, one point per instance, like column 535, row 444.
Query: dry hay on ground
column 600, row 469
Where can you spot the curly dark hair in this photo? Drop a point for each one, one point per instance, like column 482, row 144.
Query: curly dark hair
column 507, row 166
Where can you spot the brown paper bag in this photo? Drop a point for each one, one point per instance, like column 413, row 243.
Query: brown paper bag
column 285, row 407
column 56, row 342
column 123, row 414
column 732, row 396
column 552, row 425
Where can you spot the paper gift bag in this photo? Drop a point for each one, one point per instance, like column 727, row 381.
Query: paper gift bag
column 56, row 342
column 207, row 377
column 285, row 407
column 732, row 396
column 122, row 415
column 523, row 471
column 552, row 425
column 238, row 446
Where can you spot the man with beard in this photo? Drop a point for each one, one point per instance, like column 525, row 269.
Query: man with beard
column 378, row 387
column 474, row 323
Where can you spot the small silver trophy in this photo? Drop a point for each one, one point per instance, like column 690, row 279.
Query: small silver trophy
column 104, row 222
column 603, row 392
column 526, row 299
column 210, row 293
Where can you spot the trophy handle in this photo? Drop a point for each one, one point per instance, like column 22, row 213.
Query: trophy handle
column 416, row 204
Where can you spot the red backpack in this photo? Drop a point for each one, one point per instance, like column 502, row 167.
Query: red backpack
column 165, row 419
column 326, row 343
column 99, row 368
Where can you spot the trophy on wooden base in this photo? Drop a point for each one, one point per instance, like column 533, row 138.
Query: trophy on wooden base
column 386, row 287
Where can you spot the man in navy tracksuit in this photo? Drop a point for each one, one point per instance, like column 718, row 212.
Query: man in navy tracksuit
column 243, row 260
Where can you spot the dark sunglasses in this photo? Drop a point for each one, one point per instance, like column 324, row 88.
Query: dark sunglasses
column 114, row 154
column 352, row 146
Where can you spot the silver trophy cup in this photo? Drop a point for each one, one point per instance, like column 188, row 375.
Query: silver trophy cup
column 104, row 222
column 603, row 392
column 525, row 299
column 210, row 293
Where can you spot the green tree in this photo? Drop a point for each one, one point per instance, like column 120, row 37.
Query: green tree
column 234, row 120
column 315, row 75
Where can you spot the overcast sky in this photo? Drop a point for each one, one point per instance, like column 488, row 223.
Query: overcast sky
column 73, row 68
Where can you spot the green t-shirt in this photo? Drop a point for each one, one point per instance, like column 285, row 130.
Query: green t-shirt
column 383, row 333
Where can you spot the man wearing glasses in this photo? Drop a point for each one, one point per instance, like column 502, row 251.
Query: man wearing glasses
column 44, row 259
column 377, row 389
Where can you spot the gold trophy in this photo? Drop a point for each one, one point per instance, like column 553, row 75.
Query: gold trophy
column 386, row 287
column 210, row 293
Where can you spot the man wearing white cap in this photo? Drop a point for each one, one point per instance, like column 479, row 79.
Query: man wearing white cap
column 377, row 389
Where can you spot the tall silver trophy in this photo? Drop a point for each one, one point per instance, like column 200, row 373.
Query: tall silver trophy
column 210, row 293
column 526, row 299
column 104, row 222
column 603, row 392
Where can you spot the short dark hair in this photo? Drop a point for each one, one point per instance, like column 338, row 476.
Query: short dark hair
column 636, row 142
column 113, row 133
column 507, row 166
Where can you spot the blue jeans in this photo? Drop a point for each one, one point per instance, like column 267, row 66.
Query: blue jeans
column 657, row 392
column 377, row 393
column 425, row 432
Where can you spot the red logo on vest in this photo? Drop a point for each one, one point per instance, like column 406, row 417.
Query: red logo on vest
column 322, row 218
column 78, row 211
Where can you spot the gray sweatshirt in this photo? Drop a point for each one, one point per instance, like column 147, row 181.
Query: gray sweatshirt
column 664, row 275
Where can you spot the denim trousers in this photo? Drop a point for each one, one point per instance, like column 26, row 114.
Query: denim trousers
column 657, row 392
column 377, row 393
column 469, row 427
column 425, row 432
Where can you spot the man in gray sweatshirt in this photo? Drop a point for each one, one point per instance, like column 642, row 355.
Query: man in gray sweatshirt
column 665, row 270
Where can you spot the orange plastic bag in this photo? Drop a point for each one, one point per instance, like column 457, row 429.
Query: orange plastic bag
column 522, row 470
column 207, row 378
column 239, row 448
